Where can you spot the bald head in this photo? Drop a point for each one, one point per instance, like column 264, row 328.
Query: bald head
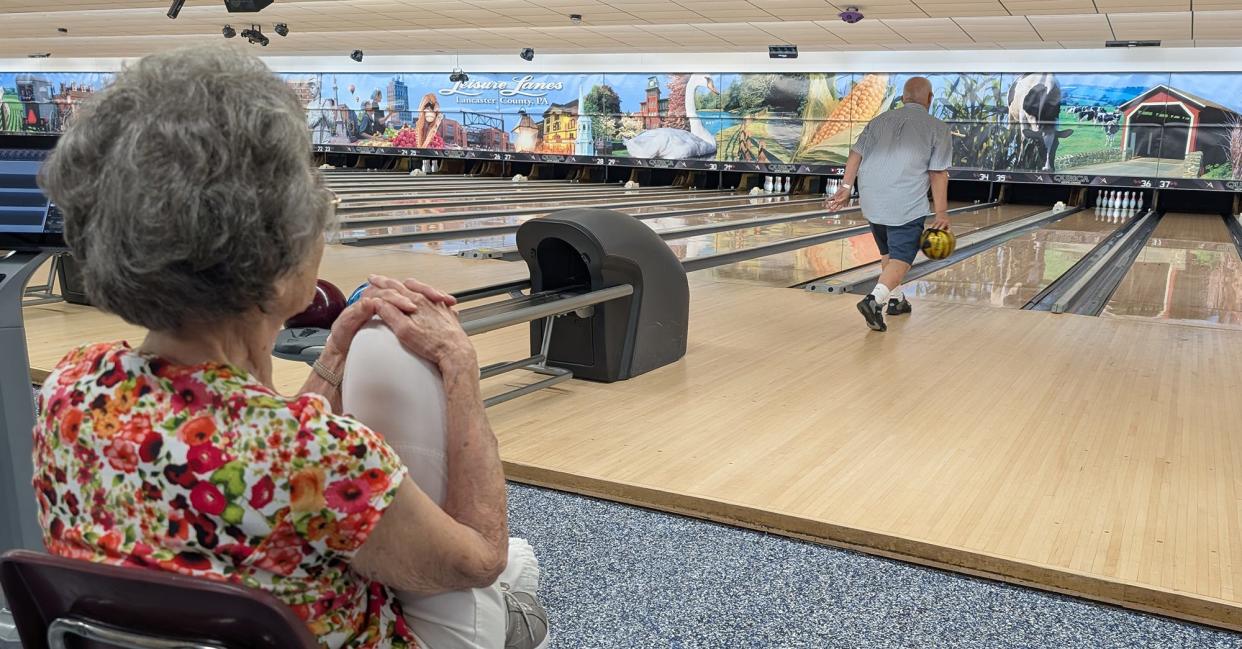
column 918, row 90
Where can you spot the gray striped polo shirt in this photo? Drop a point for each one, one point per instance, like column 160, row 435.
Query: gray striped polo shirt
column 898, row 148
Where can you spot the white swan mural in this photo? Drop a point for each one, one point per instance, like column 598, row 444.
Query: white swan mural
column 675, row 143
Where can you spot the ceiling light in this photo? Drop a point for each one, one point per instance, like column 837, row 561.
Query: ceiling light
column 175, row 8
column 39, row 55
column 229, row 32
column 783, row 51
column 527, row 54
column 356, row 55
column 575, row 19
column 63, row 30
column 282, row 29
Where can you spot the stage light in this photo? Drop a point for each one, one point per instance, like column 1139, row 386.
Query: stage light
column 255, row 36
column 458, row 76
column 282, row 29
column 228, row 31
column 356, row 55
column 528, row 54
column 175, row 8
column 1131, row 43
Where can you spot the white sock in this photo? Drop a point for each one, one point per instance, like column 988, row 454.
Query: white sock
column 896, row 294
column 880, row 292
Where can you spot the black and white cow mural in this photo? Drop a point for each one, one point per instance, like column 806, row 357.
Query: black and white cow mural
column 1035, row 107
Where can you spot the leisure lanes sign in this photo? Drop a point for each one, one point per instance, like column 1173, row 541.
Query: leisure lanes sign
column 521, row 91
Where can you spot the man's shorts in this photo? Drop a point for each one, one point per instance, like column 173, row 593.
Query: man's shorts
column 900, row 242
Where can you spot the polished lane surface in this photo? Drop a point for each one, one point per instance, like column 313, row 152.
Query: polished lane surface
column 1188, row 272
column 758, row 209
column 1010, row 274
column 357, row 228
column 387, row 203
column 805, row 264
column 624, row 201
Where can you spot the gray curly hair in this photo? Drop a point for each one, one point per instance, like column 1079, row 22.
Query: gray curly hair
column 187, row 188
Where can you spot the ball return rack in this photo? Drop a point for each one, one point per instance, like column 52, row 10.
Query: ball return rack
column 307, row 344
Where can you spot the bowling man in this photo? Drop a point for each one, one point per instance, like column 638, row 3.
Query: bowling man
column 898, row 156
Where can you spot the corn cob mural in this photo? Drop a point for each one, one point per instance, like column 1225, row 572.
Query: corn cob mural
column 825, row 140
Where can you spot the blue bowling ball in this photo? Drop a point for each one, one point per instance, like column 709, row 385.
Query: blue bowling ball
column 357, row 294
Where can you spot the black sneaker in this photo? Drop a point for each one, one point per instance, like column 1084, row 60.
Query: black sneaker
column 898, row 307
column 873, row 313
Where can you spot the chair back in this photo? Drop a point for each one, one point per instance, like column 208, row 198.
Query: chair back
column 60, row 603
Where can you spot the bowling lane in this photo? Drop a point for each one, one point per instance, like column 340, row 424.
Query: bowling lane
column 358, row 229
column 453, row 246
column 666, row 202
column 382, row 198
column 1010, row 274
column 1189, row 272
column 708, row 244
column 805, row 264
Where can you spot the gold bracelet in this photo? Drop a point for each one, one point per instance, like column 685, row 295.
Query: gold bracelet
column 333, row 378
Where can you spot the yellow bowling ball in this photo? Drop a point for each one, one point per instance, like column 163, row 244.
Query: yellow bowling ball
column 937, row 244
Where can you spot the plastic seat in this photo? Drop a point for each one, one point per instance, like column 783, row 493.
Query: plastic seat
column 68, row 603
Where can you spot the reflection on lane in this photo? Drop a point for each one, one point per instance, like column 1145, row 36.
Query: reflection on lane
column 707, row 244
column 1012, row 273
column 687, row 247
column 727, row 213
column 397, row 199
column 427, row 207
column 1189, row 271
column 805, row 264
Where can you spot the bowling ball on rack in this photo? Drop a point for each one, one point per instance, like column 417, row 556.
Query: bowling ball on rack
column 937, row 244
column 323, row 310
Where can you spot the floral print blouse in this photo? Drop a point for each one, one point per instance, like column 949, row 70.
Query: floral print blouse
column 203, row 471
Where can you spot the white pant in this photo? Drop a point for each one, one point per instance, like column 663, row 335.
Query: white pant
column 414, row 426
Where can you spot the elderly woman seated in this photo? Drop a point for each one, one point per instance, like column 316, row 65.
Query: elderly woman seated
column 190, row 201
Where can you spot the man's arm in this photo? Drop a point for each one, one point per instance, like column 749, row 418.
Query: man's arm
column 846, row 190
column 940, row 198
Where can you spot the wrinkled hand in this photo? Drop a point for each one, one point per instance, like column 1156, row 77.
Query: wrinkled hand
column 431, row 330
column 382, row 290
column 941, row 222
column 839, row 199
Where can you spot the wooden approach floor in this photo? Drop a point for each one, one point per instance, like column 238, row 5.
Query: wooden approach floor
column 1090, row 456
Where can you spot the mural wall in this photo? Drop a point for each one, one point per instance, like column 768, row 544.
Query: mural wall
column 1139, row 125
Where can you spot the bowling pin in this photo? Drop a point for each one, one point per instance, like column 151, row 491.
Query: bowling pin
column 786, row 188
column 1140, row 201
column 1133, row 202
column 767, row 184
column 426, row 166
